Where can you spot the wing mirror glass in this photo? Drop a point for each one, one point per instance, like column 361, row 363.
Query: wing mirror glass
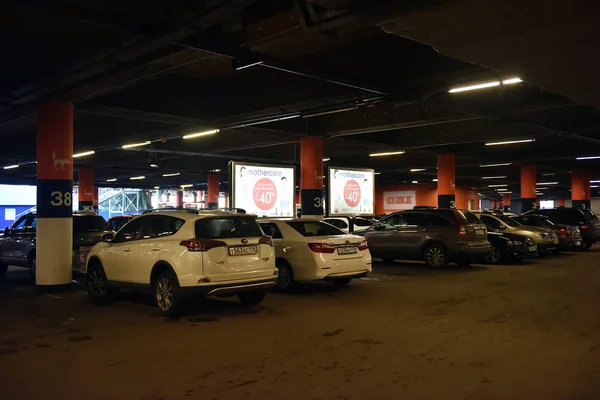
column 502, row 227
column 108, row 238
column 6, row 231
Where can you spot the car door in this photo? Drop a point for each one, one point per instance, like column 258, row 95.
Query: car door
column 152, row 246
column 117, row 259
column 382, row 237
column 20, row 242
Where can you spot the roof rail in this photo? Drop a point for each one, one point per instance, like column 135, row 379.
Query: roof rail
column 151, row 210
column 225, row 209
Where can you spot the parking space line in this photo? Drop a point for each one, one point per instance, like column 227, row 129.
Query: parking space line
column 53, row 296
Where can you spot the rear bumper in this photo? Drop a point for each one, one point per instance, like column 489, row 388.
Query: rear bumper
column 229, row 289
column 515, row 252
column 471, row 252
column 546, row 248
column 568, row 243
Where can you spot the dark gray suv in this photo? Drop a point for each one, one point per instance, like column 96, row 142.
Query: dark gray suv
column 17, row 245
column 437, row 236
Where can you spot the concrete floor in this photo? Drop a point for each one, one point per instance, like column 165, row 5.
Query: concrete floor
column 530, row 331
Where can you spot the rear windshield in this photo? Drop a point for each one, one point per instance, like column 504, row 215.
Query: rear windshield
column 118, row 223
column 89, row 223
column 590, row 214
column 471, row 218
column 314, row 228
column 227, row 227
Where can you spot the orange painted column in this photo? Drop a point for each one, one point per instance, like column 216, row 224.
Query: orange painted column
column 538, row 201
column 179, row 198
column 212, row 191
column 446, row 180
column 561, row 202
column 96, row 198
column 85, row 179
column 580, row 195
column 311, row 176
column 528, row 182
column 53, row 256
column 506, row 201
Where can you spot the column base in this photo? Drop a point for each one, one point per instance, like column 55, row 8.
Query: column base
column 54, row 288
column 528, row 204
column 582, row 204
column 446, row 201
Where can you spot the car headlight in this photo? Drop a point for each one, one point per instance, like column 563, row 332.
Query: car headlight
column 529, row 241
column 544, row 235
column 514, row 243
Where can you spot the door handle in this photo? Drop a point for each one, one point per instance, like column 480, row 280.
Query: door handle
column 126, row 249
column 156, row 249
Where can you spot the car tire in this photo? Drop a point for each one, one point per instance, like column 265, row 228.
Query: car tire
column 494, row 256
column 95, row 282
column 3, row 268
column 250, row 299
column 586, row 246
column 342, row 281
column 32, row 265
column 285, row 278
column 167, row 294
column 435, row 255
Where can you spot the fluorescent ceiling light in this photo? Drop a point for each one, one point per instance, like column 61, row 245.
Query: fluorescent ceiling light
column 326, row 159
column 510, row 142
column 495, row 165
column 434, row 180
column 111, row 180
column 502, row 185
column 595, row 181
column 415, row 181
column 542, row 188
column 187, row 185
column 153, row 165
column 83, row 154
column 539, row 194
column 594, row 186
column 12, row 166
column 137, row 178
column 129, row 146
column 493, row 177
column 418, row 169
column 156, row 187
column 389, row 153
column 501, row 190
column 265, row 121
column 172, row 174
column 215, row 170
column 205, row 133
column 547, row 183
column 548, row 173
column 485, row 85
column 248, row 65
column 377, row 173
column 588, row 158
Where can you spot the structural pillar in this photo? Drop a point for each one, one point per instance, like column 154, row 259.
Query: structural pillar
column 446, row 181
column 96, row 198
column 561, row 202
column 506, row 201
column 179, row 199
column 85, row 178
column 311, row 176
column 538, row 201
column 53, row 256
column 528, row 182
column 212, row 193
column 580, row 190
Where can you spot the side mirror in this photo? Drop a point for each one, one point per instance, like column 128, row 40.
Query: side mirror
column 108, row 238
column 6, row 231
column 502, row 227
column 378, row 227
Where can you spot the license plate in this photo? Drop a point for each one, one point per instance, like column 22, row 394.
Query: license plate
column 83, row 252
column 479, row 232
column 243, row 250
column 555, row 241
column 532, row 248
column 346, row 250
column 577, row 243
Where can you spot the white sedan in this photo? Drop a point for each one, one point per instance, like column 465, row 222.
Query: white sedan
column 308, row 250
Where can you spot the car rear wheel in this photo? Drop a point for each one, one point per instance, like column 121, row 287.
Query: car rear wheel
column 435, row 255
column 252, row 298
column 494, row 256
column 285, row 280
column 342, row 281
column 96, row 283
column 32, row 265
column 585, row 246
column 166, row 294
column 3, row 268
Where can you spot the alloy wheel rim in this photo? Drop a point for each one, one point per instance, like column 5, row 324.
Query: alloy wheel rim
column 435, row 256
column 284, row 277
column 96, row 283
column 164, row 294
column 494, row 255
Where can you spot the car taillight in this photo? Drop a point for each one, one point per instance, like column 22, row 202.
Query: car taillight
column 201, row 245
column 585, row 226
column 564, row 231
column 363, row 246
column 461, row 230
column 268, row 240
column 321, row 247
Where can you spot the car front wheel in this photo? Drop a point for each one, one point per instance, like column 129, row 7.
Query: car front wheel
column 96, row 283
column 166, row 294
column 252, row 298
column 494, row 256
column 435, row 255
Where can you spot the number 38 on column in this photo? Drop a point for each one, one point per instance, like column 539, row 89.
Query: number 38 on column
column 61, row 199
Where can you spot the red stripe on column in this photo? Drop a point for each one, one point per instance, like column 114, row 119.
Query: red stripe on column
column 311, row 162
column 446, row 174
column 85, row 178
column 528, row 181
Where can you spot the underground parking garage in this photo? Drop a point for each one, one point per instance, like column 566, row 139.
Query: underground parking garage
column 154, row 156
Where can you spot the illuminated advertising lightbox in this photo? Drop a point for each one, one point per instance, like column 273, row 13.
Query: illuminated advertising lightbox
column 264, row 190
column 399, row 200
column 351, row 191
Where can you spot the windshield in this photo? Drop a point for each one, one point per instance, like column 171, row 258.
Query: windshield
column 227, row 228
column 362, row 222
column 590, row 213
column 314, row 228
column 508, row 221
column 89, row 223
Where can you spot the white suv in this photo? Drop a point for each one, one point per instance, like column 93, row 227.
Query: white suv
column 176, row 253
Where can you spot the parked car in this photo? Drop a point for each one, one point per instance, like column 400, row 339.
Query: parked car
column 545, row 239
column 349, row 224
column 569, row 236
column 509, row 247
column 437, row 236
column 17, row 246
column 115, row 223
column 588, row 222
column 309, row 250
column 179, row 253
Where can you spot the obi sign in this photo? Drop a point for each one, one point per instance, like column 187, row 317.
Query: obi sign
column 350, row 191
column 265, row 190
column 401, row 200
